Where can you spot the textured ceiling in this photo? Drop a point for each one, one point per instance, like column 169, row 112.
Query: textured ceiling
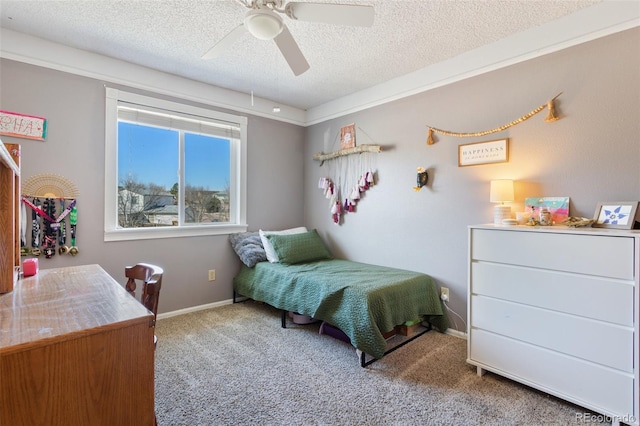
column 171, row 36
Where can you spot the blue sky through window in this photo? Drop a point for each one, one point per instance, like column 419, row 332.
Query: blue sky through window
column 150, row 155
column 206, row 161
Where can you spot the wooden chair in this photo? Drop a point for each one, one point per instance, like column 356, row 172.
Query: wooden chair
column 151, row 278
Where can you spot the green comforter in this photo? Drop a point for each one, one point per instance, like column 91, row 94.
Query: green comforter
column 361, row 300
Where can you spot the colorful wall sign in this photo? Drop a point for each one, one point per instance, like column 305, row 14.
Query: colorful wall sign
column 23, row 126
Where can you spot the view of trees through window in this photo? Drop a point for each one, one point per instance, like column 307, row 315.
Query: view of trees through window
column 148, row 171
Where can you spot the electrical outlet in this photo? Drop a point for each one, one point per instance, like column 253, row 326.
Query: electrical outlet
column 212, row 274
column 444, row 294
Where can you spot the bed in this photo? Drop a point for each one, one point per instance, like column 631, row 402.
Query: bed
column 363, row 301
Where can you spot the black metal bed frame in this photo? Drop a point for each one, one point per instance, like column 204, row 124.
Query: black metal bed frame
column 363, row 355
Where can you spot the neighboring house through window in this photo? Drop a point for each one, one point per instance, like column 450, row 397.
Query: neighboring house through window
column 172, row 169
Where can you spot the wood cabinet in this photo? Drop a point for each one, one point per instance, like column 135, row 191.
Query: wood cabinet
column 75, row 349
column 557, row 309
column 9, row 214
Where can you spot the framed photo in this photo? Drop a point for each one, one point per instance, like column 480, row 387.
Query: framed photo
column 616, row 214
column 489, row 152
column 348, row 137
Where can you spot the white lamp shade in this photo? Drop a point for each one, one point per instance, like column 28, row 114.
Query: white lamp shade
column 501, row 191
column 263, row 24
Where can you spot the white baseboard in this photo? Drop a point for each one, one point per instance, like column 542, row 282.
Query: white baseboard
column 449, row 331
column 194, row 309
column 455, row 333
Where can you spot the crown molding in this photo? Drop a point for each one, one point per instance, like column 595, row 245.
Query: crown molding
column 36, row 51
column 602, row 19
column 599, row 20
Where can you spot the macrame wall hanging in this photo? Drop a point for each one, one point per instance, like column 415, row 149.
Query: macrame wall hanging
column 350, row 172
column 551, row 116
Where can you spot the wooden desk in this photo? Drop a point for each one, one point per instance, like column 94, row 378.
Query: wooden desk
column 75, row 349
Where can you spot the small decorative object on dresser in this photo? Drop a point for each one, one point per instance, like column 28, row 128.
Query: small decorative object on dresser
column 616, row 214
column 545, row 217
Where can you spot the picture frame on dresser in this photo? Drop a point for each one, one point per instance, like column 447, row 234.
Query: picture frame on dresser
column 616, row 214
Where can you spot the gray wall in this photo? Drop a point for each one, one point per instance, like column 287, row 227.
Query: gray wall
column 74, row 148
column 592, row 154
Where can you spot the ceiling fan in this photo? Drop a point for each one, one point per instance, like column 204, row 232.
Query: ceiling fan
column 264, row 22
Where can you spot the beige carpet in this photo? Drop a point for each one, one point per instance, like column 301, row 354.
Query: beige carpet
column 235, row 365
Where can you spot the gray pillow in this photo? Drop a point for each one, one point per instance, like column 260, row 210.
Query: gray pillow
column 248, row 247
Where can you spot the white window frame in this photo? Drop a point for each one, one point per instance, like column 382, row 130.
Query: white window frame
column 238, row 172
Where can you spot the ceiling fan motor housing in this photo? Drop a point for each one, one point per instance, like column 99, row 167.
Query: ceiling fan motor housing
column 263, row 24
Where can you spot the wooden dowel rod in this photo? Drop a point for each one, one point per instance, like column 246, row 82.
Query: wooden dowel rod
column 321, row 156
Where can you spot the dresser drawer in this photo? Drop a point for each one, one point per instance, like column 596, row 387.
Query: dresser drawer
column 589, row 296
column 586, row 254
column 585, row 383
column 599, row 342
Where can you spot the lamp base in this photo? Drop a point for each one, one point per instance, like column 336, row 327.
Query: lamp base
column 501, row 212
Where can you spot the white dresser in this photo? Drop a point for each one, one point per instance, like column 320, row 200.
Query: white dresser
column 556, row 308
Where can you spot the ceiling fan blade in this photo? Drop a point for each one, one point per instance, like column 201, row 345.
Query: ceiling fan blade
column 339, row 14
column 291, row 52
column 225, row 43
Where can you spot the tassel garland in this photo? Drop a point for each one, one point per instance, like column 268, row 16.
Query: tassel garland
column 551, row 117
column 430, row 137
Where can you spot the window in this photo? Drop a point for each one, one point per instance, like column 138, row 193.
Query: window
column 171, row 169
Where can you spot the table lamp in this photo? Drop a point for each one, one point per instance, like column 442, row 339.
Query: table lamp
column 501, row 192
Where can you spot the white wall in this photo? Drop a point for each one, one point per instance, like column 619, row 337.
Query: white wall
column 592, row 154
column 74, row 148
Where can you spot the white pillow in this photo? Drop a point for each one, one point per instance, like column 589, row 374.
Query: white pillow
column 268, row 247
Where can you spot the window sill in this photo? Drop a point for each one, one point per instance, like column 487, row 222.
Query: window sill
column 171, row 232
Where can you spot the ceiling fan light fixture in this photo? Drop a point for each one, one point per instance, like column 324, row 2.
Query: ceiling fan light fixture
column 263, row 24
